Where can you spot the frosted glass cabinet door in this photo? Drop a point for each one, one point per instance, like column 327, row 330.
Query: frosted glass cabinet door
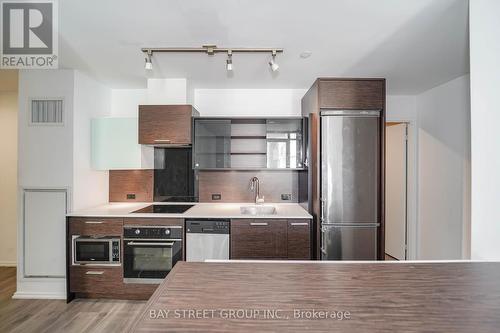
column 115, row 144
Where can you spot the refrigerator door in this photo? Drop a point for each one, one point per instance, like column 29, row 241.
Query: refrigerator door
column 350, row 173
column 344, row 242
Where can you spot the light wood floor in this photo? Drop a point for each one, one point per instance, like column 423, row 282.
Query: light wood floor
column 57, row 316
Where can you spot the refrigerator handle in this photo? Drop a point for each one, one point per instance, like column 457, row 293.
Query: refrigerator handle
column 322, row 209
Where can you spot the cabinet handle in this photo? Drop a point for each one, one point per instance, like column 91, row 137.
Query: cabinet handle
column 299, row 223
column 94, row 222
column 162, row 140
column 94, row 272
column 259, row 223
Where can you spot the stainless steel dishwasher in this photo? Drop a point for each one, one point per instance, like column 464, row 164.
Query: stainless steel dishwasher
column 207, row 239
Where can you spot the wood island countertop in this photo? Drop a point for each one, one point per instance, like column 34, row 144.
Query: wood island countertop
column 326, row 296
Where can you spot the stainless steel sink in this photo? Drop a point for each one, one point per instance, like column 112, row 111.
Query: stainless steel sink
column 258, row 210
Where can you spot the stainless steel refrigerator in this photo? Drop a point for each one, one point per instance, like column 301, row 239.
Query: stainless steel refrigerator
column 350, row 184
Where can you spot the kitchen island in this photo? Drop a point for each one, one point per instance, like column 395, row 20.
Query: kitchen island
column 325, row 296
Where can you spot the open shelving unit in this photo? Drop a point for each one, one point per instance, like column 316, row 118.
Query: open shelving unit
column 248, row 143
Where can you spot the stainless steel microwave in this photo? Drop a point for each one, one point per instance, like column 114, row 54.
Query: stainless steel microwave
column 96, row 251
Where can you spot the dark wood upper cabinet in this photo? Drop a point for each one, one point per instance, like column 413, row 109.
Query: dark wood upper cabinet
column 165, row 124
column 258, row 239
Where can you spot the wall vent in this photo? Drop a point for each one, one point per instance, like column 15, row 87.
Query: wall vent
column 47, row 112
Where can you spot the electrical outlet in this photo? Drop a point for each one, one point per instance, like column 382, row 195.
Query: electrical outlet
column 216, row 196
column 131, row 196
column 286, row 196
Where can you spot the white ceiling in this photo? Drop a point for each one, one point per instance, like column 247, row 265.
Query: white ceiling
column 415, row 44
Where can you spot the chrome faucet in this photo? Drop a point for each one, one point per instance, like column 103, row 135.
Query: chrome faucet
column 255, row 186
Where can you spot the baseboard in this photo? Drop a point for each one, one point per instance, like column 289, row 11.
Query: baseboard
column 8, row 264
column 35, row 295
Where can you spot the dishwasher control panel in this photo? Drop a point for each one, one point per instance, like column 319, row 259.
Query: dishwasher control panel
column 208, row 226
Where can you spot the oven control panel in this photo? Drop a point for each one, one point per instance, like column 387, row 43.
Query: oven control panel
column 142, row 232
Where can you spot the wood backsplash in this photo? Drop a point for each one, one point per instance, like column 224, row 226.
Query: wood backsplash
column 234, row 186
column 130, row 182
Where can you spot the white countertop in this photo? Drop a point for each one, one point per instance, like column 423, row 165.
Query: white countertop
column 199, row 210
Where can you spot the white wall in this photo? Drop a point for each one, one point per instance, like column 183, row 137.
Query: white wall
column 124, row 102
column 248, row 102
column 45, row 156
column 443, row 170
column 8, row 166
column 485, row 118
column 91, row 100
column 45, row 152
column 401, row 108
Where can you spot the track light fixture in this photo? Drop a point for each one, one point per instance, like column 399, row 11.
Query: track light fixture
column 274, row 65
column 148, row 65
column 212, row 50
column 229, row 61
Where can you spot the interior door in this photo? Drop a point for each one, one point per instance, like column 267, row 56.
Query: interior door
column 396, row 188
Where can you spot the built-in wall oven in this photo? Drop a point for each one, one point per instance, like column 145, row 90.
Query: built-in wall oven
column 96, row 250
column 150, row 252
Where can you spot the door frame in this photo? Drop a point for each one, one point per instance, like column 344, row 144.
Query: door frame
column 411, row 187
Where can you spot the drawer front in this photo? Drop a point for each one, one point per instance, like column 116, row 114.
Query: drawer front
column 93, row 279
column 95, row 226
column 152, row 222
column 258, row 239
column 299, row 239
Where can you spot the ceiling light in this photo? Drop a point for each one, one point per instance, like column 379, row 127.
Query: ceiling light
column 305, row 54
column 148, row 65
column 274, row 65
column 229, row 61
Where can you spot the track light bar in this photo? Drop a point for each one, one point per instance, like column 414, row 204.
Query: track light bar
column 211, row 50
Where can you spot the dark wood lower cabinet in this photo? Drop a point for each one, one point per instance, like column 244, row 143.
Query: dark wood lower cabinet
column 95, row 279
column 258, row 239
column 105, row 281
column 270, row 239
column 299, row 239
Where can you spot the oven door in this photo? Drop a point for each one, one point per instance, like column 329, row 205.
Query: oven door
column 91, row 251
column 149, row 261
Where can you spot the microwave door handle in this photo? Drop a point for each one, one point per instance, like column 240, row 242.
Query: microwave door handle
column 149, row 244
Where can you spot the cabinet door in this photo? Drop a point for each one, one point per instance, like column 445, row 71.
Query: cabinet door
column 165, row 124
column 258, row 239
column 212, row 143
column 299, row 239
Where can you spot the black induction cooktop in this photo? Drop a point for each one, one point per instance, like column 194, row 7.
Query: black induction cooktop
column 164, row 209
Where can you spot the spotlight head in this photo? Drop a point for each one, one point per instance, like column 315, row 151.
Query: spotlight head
column 148, row 65
column 274, row 65
column 229, row 61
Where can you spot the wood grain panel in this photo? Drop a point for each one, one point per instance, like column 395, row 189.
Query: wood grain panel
column 136, row 182
column 95, row 279
column 380, row 297
column 352, row 94
column 234, row 186
column 299, row 239
column 258, row 239
column 165, row 124
column 95, row 226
